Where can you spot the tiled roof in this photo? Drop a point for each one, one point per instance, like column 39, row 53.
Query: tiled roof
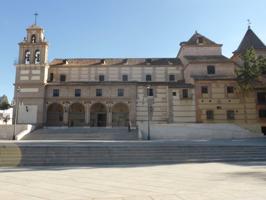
column 250, row 40
column 218, row 58
column 194, row 40
column 116, row 61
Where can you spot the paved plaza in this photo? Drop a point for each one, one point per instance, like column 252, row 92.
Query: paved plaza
column 200, row 181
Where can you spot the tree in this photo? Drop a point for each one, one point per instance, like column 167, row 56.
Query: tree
column 4, row 105
column 249, row 73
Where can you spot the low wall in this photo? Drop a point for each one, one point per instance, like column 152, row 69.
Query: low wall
column 7, row 131
column 195, row 131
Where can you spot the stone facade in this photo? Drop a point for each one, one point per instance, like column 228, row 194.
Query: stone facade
column 197, row 86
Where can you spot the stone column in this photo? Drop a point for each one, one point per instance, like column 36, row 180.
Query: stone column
column 109, row 115
column 87, row 114
column 65, row 113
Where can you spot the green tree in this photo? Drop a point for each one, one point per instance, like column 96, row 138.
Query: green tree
column 248, row 74
column 4, row 105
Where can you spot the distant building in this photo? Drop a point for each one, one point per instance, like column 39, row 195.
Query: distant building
column 6, row 116
column 196, row 86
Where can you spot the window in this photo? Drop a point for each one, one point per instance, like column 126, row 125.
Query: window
column 174, row 94
column 55, row 92
column 261, row 97
column 149, row 92
column 185, row 93
column 33, row 38
column 125, row 77
column 77, row 92
column 37, row 58
column 204, row 90
column 230, row 115
column 211, row 69
column 200, row 40
column 148, row 77
column 51, row 77
column 120, row 92
column 27, row 57
column 101, row 77
column 262, row 113
column 62, row 77
column 99, row 92
column 230, row 89
column 171, row 77
column 209, row 114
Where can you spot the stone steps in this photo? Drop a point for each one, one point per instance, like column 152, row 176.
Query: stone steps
column 82, row 134
column 116, row 153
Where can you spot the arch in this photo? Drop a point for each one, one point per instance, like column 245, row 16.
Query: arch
column 120, row 115
column 27, row 57
column 76, row 115
column 55, row 114
column 37, row 57
column 33, row 38
column 98, row 115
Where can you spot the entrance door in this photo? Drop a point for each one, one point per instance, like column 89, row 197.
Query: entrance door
column 55, row 115
column 101, row 119
column 98, row 115
column 76, row 115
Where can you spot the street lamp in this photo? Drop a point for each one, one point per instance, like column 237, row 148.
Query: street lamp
column 16, row 112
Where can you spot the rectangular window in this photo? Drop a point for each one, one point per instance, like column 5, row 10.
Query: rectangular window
column 230, row 115
column 55, row 92
column 262, row 113
column 200, row 40
column 171, row 78
column 120, row 92
column 99, row 92
column 209, row 114
column 261, row 97
column 51, row 77
column 230, row 90
column 174, row 94
column 125, row 77
column 204, row 89
column 101, row 77
column 211, row 69
column 185, row 93
column 77, row 92
column 150, row 92
column 148, row 77
column 62, row 78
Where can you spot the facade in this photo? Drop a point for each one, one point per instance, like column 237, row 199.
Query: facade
column 197, row 86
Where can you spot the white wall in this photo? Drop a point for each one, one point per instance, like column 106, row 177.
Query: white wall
column 195, row 131
column 27, row 114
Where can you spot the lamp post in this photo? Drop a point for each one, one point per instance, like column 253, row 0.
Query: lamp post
column 149, row 112
column 16, row 113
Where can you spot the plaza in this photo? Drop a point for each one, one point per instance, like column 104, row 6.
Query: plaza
column 200, row 181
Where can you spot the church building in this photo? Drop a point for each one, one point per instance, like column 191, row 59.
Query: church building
column 197, row 86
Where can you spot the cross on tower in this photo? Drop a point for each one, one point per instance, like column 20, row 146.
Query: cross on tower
column 249, row 23
column 36, row 15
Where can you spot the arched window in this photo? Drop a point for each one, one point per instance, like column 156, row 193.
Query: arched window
column 27, row 57
column 33, row 38
column 37, row 58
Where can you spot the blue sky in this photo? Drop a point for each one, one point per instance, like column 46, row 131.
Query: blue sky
column 123, row 28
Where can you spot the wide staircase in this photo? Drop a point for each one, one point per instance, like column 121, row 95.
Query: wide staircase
column 82, row 133
column 86, row 153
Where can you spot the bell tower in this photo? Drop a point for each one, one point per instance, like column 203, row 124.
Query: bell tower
column 31, row 76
